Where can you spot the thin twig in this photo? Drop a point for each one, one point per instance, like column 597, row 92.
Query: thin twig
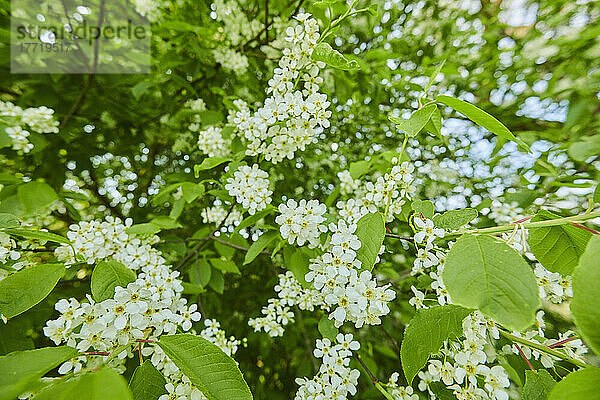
column 524, row 357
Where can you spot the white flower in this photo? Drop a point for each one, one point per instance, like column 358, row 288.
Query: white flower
column 250, row 187
column 428, row 232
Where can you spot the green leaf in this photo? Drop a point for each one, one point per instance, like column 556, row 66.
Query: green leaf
column 147, row 383
column 39, row 235
column 107, row 275
column 140, row 88
column 20, row 369
column 212, row 371
column 200, row 272
column 327, row 328
column 435, row 124
column 359, row 168
column 586, row 292
column 589, row 146
column 104, row 384
column 538, row 385
column 224, row 265
column 36, row 196
column 217, row 282
column 416, row 122
column 454, row 219
column 164, row 222
column 297, row 261
column 191, row 191
column 8, row 221
column 252, row 219
column 370, row 230
column 263, row 241
column 210, row 163
column 424, row 207
column 147, row 228
column 596, row 197
column 481, row 118
column 483, row 273
column 557, row 248
column 14, row 336
column 579, row 385
column 324, row 52
column 426, row 334
column 26, row 288
column 437, row 71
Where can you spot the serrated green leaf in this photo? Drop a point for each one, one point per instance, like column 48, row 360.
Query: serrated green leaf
column 210, row 163
column 481, row 118
column 424, row 207
column 370, row 230
column 26, row 288
column 224, row 265
column 8, row 221
column 579, row 385
column 586, row 292
column 36, row 196
column 538, row 385
column 426, row 334
column 327, row 328
column 212, row 371
column 454, row 219
column 20, row 369
column 359, row 168
column 39, row 235
column 147, row 228
column 557, row 248
column 416, row 122
column 147, row 383
column 263, row 241
column 483, row 273
column 107, row 275
column 325, row 53
column 104, row 384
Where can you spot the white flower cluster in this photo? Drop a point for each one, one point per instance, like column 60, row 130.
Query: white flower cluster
column 347, row 183
column 250, row 187
column 288, row 120
column 552, row 285
column 212, row 143
column 335, row 380
column 351, row 293
column 278, row 313
column 237, row 29
column 231, row 60
column 387, row 193
column 504, row 213
column 40, row 120
column 399, row 392
column 217, row 213
column 196, row 105
column 96, row 240
column 214, row 334
column 7, row 246
column 138, row 314
column 149, row 8
column 301, row 222
column 426, row 260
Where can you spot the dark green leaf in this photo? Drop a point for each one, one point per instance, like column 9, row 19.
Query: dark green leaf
column 212, row 371
column 454, row 219
column 538, row 385
column 26, row 288
column 426, row 334
column 104, row 384
column 107, row 275
column 147, row 383
column 370, row 230
column 484, row 273
column 263, row 241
